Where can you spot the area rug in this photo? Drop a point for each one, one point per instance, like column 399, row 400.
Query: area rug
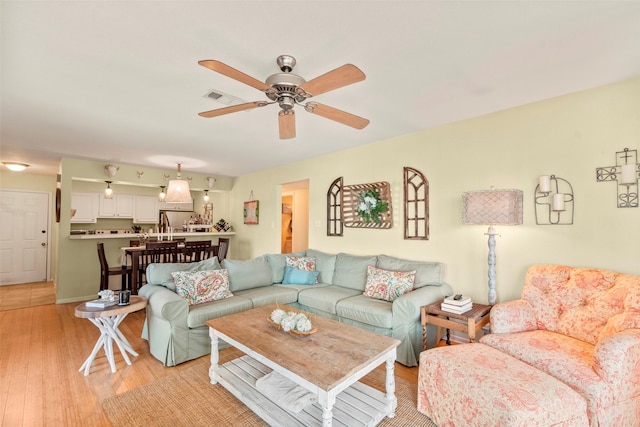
column 188, row 399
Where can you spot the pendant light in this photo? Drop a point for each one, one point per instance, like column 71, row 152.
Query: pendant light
column 206, row 196
column 162, row 196
column 178, row 190
column 108, row 192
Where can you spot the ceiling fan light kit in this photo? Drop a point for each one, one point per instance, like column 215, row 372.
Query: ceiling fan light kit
column 288, row 89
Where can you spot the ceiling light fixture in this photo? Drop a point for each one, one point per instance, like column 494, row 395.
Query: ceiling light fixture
column 108, row 192
column 16, row 167
column 178, row 190
column 206, row 196
column 111, row 170
column 162, row 194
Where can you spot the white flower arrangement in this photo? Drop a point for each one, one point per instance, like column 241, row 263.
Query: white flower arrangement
column 107, row 295
column 371, row 206
column 291, row 320
column 143, row 237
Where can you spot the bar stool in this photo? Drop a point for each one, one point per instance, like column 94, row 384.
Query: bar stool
column 223, row 248
column 105, row 271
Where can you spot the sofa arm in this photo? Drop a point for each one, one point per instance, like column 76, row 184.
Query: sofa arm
column 406, row 319
column 617, row 361
column 513, row 316
column 165, row 303
column 166, row 324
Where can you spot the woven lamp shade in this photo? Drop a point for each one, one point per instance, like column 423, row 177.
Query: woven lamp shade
column 492, row 207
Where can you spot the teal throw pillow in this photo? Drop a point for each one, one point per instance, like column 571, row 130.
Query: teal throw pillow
column 293, row 276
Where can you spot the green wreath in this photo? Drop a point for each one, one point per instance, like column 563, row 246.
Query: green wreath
column 371, row 207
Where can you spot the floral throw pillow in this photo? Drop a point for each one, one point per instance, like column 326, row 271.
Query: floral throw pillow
column 197, row 287
column 306, row 263
column 388, row 285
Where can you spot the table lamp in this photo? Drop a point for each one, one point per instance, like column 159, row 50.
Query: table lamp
column 492, row 207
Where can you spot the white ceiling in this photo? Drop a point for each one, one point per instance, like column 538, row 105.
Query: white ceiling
column 118, row 81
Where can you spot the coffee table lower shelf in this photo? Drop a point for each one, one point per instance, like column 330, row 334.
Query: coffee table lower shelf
column 358, row 405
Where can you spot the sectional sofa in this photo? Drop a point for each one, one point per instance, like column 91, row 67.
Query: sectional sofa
column 176, row 331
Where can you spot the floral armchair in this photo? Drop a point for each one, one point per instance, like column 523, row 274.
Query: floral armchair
column 581, row 326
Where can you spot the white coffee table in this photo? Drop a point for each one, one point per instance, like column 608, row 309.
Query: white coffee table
column 107, row 321
column 328, row 363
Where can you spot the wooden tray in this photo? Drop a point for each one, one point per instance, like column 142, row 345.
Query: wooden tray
column 293, row 331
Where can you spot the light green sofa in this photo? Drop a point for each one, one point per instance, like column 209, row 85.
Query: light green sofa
column 177, row 332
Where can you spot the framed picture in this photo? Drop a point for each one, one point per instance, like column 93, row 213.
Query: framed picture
column 251, row 212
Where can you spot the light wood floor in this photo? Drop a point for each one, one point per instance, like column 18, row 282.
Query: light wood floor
column 27, row 295
column 41, row 350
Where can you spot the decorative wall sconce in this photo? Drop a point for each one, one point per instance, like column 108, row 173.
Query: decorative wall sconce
column 111, row 170
column 108, row 192
column 140, row 174
column 162, row 194
column 626, row 172
column 211, row 181
column 553, row 201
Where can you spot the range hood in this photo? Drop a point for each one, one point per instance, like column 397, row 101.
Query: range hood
column 176, row 206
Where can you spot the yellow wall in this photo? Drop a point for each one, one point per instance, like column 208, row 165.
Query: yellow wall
column 569, row 136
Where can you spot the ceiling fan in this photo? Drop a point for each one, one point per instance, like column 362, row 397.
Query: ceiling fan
column 288, row 89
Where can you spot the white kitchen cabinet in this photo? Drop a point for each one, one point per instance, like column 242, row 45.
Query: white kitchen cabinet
column 86, row 207
column 146, row 210
column 119, row 206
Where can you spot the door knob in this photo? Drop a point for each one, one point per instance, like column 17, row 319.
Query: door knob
column 43, row 244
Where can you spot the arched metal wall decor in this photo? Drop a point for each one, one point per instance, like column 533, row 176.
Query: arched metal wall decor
column 334, row 208
column 554, row 201
column 416, row 205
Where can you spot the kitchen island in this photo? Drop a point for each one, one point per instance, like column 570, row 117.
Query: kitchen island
column 197, row 235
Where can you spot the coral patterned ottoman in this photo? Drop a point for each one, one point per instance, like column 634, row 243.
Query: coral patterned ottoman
column 477, row 385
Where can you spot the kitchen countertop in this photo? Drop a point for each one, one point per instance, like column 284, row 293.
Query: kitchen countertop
column 133, row 236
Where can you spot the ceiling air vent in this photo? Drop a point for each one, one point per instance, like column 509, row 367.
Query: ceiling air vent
column 223, row 98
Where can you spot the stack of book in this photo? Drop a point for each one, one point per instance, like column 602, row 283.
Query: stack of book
column 101, row 303
column 457, row 306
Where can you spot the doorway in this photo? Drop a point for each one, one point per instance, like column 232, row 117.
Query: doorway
column 24, row 236
column 295, row 217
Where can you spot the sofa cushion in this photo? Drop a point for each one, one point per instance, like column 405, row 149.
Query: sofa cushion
column 160, row 273
column 387, row 285
column 197, row 287
column 577, row 302
column 198, row 314
column 351, row 271
column 325, row 298
column 426, row 272
column 295, row 276
column 568, row 359
column 306, row 263
column 325, row 265
column 277, row 263
column 269, row 295
column 366, row 310
column 248, row 274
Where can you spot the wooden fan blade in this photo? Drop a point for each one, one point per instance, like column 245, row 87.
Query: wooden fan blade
column 341, row 76
column 232, row 109
column 228, row 71
column 287, row 124
column 337, row 115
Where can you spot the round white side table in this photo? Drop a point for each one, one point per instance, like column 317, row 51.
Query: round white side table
column 107, row 320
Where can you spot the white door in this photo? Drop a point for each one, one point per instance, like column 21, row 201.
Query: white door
column 24, row 236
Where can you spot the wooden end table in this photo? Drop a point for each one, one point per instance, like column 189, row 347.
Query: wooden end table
column 107, row 320
column 470, row 322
